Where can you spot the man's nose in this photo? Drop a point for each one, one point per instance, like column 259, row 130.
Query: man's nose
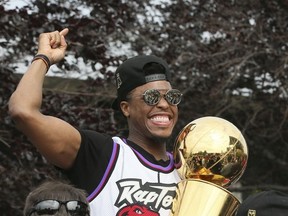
column 62, row 211
column 163, row 102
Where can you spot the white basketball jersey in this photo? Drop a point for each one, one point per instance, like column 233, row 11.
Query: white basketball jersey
column 132, row 184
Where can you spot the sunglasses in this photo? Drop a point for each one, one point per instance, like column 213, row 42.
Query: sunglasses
column 153, row 97
column 51, row 207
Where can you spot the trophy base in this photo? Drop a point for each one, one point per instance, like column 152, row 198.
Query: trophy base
column 202, row 198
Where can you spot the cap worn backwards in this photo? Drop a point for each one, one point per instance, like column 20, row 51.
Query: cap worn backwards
column 266, row 203
column 138, row 71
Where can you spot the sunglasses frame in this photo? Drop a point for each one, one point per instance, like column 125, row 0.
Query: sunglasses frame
column 166, row 96
column 60, row 203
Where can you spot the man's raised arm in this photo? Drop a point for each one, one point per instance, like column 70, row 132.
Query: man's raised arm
column 55, row 139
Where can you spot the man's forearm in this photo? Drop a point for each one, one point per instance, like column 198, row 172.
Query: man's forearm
column 28, row 95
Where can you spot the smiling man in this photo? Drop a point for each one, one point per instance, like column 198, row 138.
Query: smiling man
column 119, row 173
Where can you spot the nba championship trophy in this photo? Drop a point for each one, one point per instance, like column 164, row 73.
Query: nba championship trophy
column 211, row 154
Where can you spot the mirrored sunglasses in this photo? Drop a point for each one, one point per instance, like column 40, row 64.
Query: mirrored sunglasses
column 51, row 207
column 153, row 96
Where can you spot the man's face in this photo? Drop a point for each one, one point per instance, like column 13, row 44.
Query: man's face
column 146, row 121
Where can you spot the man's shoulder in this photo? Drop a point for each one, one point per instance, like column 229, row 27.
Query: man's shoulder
column 94, row 136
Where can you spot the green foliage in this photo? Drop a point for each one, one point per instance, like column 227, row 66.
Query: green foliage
column 240, row 74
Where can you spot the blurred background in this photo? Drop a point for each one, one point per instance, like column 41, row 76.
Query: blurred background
column 229, row 58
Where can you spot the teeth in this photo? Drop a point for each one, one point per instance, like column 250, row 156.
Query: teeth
column 160, row 118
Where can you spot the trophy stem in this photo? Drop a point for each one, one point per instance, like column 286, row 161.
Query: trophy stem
column 201, row 198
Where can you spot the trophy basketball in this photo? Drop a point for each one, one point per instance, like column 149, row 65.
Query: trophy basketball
column 211, row 154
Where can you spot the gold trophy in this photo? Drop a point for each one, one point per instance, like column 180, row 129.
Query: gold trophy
column 210, row 154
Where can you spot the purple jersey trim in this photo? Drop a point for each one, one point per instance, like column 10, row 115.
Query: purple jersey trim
column 156, row 167
column 108, row 171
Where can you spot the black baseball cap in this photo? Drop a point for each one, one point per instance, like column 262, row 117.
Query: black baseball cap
column 265, row 203
column 138, row 71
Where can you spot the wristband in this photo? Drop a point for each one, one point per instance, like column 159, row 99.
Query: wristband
column 44, row 58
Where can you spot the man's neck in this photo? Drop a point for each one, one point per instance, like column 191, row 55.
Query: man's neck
column 157, row 149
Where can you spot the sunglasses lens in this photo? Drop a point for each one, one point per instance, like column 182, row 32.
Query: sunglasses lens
column 77, row 208
column 173, row 96
column 51, row 207
column 47, row 207
column 151, row 96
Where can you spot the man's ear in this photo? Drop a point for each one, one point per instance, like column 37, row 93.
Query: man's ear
column 124, row 106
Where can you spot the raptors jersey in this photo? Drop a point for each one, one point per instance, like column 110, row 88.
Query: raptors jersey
column 132, row 185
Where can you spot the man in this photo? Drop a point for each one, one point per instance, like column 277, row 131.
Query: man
column 132, row 172
column 56, row 198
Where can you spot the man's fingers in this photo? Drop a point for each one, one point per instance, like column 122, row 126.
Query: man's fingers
column 64, row 32
column 58, row 38
column 55, row 40
column 63, row 42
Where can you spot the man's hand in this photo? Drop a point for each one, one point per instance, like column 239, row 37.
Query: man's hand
column 53, row 45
